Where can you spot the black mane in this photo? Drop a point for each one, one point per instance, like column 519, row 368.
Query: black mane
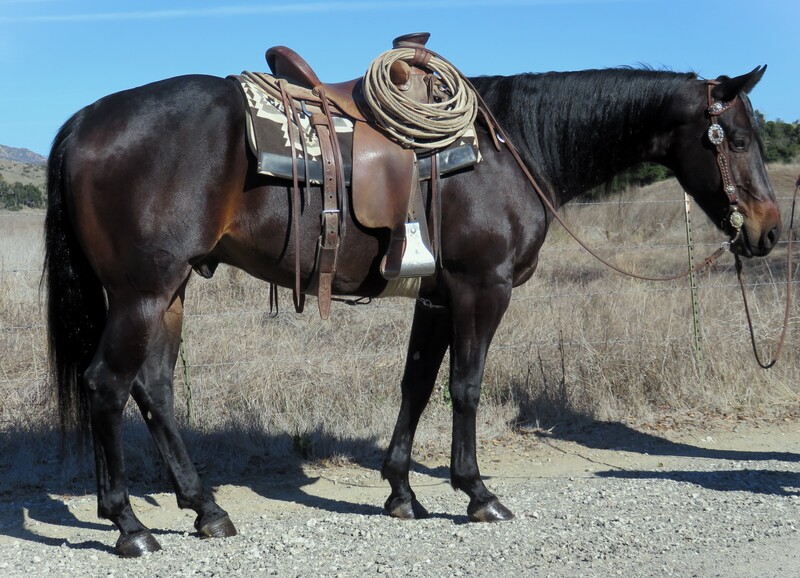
column 576, row 130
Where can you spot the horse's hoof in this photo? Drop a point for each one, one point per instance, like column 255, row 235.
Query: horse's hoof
column 493, row 511
column 220, row 527
column 412, row 510
column 138, row 544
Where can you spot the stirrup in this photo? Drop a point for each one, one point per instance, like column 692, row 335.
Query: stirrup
column 417, row 260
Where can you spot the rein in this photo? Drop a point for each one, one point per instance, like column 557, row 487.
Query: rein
column 716, row 136
column 787, row 310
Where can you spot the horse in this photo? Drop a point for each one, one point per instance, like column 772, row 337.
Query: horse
column 146, row 184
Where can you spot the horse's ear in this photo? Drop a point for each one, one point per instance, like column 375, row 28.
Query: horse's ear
column 728, row 88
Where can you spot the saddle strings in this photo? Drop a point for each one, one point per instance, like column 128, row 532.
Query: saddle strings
column 298, row 297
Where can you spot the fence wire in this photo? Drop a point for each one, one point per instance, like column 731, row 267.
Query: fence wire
column 16, row 324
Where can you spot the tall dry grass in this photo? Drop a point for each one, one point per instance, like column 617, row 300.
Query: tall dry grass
column 578, row 340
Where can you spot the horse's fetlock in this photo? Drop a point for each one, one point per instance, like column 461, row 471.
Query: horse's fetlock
column 112, row 505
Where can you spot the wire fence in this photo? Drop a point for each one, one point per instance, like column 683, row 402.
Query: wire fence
column 571, row 308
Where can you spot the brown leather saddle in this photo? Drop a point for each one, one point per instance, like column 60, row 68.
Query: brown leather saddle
column 342, row 147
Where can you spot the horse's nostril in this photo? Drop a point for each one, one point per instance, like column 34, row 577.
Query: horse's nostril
column 772, row 236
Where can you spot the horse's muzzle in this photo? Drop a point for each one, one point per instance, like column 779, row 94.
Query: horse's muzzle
column 764, row 244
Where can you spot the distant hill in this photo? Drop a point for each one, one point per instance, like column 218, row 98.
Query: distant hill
column 27, row 174
column 24, row 156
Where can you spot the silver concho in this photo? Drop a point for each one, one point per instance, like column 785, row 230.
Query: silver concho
column 736, row 220
column 717, row 107
column 715, row 134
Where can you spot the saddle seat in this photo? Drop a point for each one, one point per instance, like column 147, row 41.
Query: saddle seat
column 287, row 64
column 348, row 96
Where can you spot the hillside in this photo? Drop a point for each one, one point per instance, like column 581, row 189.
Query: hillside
column 27, row 174
column 21, row 155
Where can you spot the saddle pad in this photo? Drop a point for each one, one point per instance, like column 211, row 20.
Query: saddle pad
column 268, row 137
column 382, row 181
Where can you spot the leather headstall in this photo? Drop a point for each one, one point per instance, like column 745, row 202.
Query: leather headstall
column 716, row 135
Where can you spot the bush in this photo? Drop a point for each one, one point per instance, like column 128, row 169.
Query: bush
column 781, row 139
column 17, row 196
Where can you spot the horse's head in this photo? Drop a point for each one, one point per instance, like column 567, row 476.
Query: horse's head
column 717, row 156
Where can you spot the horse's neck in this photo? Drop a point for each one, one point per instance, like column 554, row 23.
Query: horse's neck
column 578, row 134
column 604, row 144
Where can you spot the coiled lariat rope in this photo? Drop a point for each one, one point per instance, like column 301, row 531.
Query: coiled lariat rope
column 420, row 125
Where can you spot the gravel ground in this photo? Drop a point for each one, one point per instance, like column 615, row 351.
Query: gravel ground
column 603, row 501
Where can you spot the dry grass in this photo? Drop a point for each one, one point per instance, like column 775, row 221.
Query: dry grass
column 578, row 340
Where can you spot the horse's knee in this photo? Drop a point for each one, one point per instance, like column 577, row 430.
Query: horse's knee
column 465, row 398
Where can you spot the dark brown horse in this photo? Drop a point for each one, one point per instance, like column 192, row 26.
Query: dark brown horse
column 148, row 183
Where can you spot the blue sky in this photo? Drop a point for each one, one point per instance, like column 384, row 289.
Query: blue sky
column 58, row 56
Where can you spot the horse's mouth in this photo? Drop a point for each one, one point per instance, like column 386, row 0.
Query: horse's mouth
column 742, row 247
column 745, row 248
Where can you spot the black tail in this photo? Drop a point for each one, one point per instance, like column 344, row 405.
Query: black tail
column 76, row 306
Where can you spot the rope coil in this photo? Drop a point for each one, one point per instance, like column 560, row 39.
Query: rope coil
column 416, row 124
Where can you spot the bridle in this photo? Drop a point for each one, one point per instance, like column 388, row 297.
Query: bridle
column 716, row 135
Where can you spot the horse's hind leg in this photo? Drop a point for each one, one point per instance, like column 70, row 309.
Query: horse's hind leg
column 124, row 345
column 427, row 344
column 153, row 392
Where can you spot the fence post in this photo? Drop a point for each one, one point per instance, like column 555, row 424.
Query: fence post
column 187, row 380
column 698, row 346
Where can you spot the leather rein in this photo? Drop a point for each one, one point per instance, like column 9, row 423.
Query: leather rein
column 787, row 310
column 716, row 136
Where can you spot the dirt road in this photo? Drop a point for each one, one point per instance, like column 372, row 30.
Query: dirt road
column 600, row 500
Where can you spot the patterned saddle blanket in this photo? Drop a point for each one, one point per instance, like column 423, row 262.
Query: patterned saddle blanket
column 269, row 139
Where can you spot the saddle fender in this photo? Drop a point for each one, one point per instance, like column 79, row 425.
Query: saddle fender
column 383, row 178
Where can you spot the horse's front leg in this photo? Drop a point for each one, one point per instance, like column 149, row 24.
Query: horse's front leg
column 476, row 314
column 427, row 344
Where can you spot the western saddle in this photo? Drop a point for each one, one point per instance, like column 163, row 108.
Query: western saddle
column 384, row 179
column 347, row 96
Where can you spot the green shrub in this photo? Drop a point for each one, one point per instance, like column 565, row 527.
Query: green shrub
column 17, row 196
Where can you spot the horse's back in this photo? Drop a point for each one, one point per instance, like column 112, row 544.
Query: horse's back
column 153, row 171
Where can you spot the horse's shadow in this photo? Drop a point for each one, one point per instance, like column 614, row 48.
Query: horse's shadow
column 768, row 482
column 725, row 477
column 274, row 472
column 266, row 464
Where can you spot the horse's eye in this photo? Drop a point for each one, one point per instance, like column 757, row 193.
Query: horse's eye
column 738, row 143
